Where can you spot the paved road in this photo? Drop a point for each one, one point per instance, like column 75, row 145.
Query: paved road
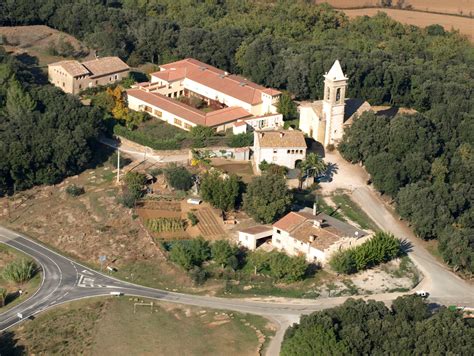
column 65, row 280
column 444, row 286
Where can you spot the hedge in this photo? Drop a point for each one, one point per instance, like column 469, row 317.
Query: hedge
column 142, row 139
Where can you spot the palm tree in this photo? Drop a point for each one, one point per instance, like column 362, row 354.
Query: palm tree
column 312, row 166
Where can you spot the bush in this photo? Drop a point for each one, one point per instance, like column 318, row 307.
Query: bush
column 222, row 191
column 200, row 135
column 189, row 254
column 3, row 296
column 178, row 177
column 241, row 140
column 155, row 172
column 128, row 199
column 142, row 139
column 383, row 247
column 222, row 252
column 74, row 190
column 135, row 182
column 198, row 275
column 19, row 271
column 193, row 218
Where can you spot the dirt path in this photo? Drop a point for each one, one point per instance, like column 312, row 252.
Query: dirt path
column 438, row 279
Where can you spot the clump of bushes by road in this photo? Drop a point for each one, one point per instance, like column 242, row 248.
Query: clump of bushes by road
column 222, row 259
column 19, row 271
column 383, row 247
column 133, row 190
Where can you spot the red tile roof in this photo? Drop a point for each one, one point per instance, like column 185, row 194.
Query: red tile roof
column 217, row 79
column 214, row 118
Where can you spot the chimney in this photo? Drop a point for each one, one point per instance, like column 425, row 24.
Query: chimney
column 315, row 208
column 311, row 238
column 281, row 134
column 260, row 134
column 317, row 223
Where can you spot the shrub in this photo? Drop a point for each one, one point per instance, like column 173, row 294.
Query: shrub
column 178, row 177
column 189, row 254
column 166, row 224
column 3, row 296
column 74, row 190
column 383, row 247
column 330, row 147
column 198, row 275
column 128, row 199
column 241, row 140
column 193, row 218
column 142, row 139
column 19, row 271
column 135, row 182
column 222, row 252
column 200, row 135
column 155, row 172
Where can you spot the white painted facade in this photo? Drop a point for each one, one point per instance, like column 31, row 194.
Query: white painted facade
column 249, row 239
column 293, row 247
column 140, row 105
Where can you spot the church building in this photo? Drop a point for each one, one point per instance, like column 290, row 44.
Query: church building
column 324, row 120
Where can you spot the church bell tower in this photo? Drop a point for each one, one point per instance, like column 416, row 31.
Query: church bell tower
column 335, row 84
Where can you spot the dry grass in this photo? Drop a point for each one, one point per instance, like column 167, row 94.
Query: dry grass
column 463, row 24
column 110, row 326
column 457, row 7
column 34, row 40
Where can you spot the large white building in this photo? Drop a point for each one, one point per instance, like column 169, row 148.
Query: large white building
column 231, row 97
column 281, row 147
column 313, row 235
column 324, row 120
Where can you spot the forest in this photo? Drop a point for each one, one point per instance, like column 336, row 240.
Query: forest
column 45, row 135
column 423, row 161
column 357, row 327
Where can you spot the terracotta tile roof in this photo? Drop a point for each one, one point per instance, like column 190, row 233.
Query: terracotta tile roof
column 240, row 123
column 105, row 65
column 187, row 112
column 72, row 67
column 257, row 230
column 280, row 138
column 300, row 225
column 94, row 68
column 217, row 79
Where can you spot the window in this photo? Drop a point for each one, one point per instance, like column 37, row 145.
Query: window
column 80, row 86
column 187, row 126
column 158, row 113
column 278, row 231
column 288, row 151
column 147, row 108
column 96, row 82
column 275, row 151
column 116, row 76
column 338, row 94
column 275, row 158
column 177, row 121
column 328, row 94
column 277, row 241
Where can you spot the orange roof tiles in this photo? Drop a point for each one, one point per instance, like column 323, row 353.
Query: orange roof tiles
column 214, row 118
column 217, row 79
column 281, row 138
column 94, row 68
column 72, row 67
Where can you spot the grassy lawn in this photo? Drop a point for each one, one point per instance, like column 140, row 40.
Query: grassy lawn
column 353, row 212
column 97, row 326
column 8, row 254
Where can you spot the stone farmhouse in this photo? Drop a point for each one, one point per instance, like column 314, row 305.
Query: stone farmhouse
column 234, row 102
column 281, row 147
column 73, row 76
column 324, row 120
column 313, row 235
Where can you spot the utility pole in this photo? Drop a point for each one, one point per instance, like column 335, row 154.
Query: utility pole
column 118, row 166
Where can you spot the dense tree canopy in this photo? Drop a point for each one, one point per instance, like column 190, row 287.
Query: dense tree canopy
column 45, row 135
column 370, row 328
column 267, row 198
column 424, row 161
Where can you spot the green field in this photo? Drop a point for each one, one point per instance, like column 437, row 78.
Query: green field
column 98, row 326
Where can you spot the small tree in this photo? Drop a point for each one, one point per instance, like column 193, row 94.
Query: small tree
column 178, row 177
column 200, row 134
column 313, row 166
column 182, row 256
column 267, row 198
column 135, row 182
column 222, row 251
column 220, row 190
column 241, row 140
column 287, row 107
column 193, row 218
